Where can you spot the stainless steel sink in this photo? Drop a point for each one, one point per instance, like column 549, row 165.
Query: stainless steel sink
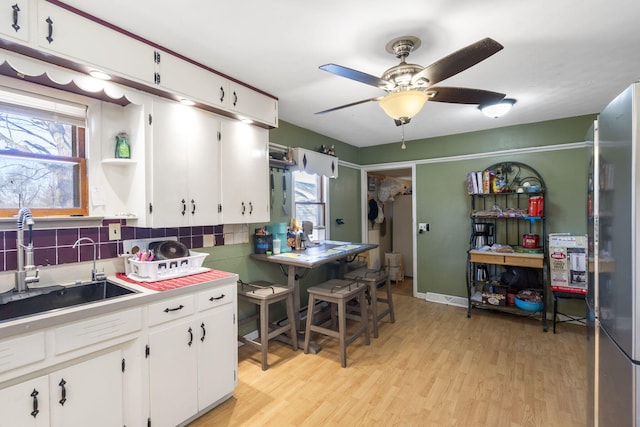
column 14, row 305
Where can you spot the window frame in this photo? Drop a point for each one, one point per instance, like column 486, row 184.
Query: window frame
column 323, row 193
column 79, row 140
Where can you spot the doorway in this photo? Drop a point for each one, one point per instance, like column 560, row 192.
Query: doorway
column 389, row 210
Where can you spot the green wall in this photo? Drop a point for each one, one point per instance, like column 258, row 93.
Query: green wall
column 440, row 190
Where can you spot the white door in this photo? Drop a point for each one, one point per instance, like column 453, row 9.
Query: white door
column 89, row 393
column 25, row 404
column 244, row 165
column 173, row 374
column 216, row 355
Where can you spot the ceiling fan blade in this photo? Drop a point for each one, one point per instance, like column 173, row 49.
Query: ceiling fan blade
column 458, row 61
column 358, row 76
column 350, row 105
column 461, row 95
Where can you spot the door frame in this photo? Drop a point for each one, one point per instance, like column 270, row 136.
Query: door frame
column 364, row 203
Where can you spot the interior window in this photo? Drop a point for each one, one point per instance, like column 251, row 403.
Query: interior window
column 42, row 156
column 310, row 201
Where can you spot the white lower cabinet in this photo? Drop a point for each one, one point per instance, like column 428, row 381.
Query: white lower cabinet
column 191, row 365
column 89, row 393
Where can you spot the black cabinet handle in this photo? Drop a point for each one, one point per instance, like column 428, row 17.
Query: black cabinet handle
column 35, row 411
column 216, row 298
column 184, row 207
column 156, row 78
column 50, row 29
column 204, row 332
column 250, row 208
column 180, row 307
column 193, row 208
column 221, row 94
column 15, row 25
column 62, row 384
column 190, row 337
column 244, row 208
column 235, row 98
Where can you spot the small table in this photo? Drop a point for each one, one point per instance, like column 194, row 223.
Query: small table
column 314, row 256
column 566, row 295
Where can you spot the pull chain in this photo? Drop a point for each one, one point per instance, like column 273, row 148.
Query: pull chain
column 404, row 147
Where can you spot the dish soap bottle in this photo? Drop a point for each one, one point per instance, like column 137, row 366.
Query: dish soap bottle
column 123, row 150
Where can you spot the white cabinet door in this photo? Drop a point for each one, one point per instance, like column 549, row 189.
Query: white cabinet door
column 244, row 165
column 184, row 178
column 89, row 393
column 25, row 404
column 217, row 355
column 90, row 43
column 252, row 104
column 14, row 19
column 193, row 82
column 173, row 374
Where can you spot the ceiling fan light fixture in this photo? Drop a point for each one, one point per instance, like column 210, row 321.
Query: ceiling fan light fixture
column 498, row 109
column 404, row 104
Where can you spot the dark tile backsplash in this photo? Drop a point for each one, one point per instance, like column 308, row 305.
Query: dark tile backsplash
column 55, row 246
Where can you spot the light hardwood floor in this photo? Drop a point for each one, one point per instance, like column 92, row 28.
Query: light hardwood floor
column 433, row 367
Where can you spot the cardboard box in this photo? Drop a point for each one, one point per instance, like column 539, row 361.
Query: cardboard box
column 568, row 263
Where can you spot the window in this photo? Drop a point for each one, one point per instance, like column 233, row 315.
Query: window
column 42, row 156
column 310, row 201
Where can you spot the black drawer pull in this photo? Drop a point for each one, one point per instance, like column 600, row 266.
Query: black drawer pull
column 216, row 298
column 180, row 307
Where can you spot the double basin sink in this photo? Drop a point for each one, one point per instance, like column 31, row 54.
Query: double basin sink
column 14, row 305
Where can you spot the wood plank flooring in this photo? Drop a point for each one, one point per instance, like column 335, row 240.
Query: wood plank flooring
column 433, row 367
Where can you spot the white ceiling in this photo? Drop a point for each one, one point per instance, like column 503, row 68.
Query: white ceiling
column 560, row 58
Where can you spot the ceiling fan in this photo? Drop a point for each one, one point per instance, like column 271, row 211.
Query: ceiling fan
column 409, row 86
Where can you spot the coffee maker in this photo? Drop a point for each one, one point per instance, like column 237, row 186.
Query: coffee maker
column 482, row 235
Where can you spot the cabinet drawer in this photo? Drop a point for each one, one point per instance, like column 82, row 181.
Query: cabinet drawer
column 171, row 309
column 21, row 351
column 95, row 330
column 215, row 297
column 515, row 259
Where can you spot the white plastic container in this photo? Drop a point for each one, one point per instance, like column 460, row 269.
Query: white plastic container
column 153, row 271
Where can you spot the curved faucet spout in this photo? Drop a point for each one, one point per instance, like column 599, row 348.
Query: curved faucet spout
column 94, row 272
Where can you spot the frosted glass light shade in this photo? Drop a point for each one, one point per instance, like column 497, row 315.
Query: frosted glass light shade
column 499, row 109
column 405, row 104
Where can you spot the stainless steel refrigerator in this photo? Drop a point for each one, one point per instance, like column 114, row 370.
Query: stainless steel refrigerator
column 614, row 297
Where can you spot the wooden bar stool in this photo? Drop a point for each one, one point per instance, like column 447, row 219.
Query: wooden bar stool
column 262, row 294
column 375, row 279
column 338, row 292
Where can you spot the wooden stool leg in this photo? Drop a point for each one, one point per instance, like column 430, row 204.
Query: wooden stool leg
column 290, row 314
column 365, row 317
column 392, row 313
column 264, row 333
column 374, row 307
column 342, row 331
column 307, row 334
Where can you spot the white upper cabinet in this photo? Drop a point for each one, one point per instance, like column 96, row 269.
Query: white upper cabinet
column 87, row 42
column 14, row 19
column 184, row 174
column 244, row 173
column 315, row 163
column 201, row 85
column 252, row 104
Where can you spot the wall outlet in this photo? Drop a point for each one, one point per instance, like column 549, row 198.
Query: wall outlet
column 422, row 227
column 114, row 232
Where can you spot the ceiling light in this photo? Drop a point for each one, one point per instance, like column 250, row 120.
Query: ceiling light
column 404, row 104
column 499, row 109
column 185, row 101
column 99, row 75
column 246, row 120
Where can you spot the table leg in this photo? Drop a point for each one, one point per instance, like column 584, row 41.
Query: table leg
column 294, row 283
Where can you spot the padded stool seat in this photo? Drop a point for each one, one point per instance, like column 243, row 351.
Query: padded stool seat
column 338, row 292
column 262, row 294
column 375, row 279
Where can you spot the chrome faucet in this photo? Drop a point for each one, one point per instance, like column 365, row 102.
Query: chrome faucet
column 94, row 272
column 25, row 253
